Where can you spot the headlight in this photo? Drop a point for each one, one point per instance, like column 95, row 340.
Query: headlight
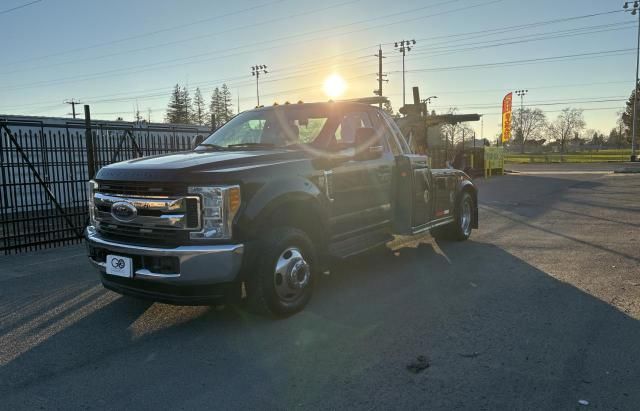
column 219, row 206
column 91, row 189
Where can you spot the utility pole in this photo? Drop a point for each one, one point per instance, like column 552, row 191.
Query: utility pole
column 256, row 71
column 381, row 76
column 521, row 94
column 634, row 11
column 404, row 46
column 73, row 103
column 426, row 101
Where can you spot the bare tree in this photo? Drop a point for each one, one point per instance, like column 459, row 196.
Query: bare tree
column 568, row 123
column 534, row 122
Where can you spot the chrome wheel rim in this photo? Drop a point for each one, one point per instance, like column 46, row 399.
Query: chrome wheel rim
column 292, row 274
column 465, row 220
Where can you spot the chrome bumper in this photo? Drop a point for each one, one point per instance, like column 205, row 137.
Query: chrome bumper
column 206, row 264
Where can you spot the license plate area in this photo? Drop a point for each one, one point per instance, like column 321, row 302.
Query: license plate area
column 119, row 266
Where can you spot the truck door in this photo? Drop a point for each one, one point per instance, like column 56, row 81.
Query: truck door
column 361, row 189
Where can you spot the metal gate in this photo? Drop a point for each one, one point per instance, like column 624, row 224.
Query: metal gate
column 45, row 164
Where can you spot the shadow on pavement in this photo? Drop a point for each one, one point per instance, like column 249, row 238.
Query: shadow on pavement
column 498, row 333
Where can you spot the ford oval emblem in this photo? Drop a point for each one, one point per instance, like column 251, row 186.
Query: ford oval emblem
column 124, row 211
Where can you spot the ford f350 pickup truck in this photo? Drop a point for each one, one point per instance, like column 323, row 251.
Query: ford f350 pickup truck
column 267, row 202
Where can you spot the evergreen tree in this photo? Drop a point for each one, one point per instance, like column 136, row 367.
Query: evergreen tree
column 215, row 107
column 226, row 111
column 187, row 106
column 174, row 108
column 199, row 109
column 627, row 118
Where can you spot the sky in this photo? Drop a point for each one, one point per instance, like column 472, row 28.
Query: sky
column 117, row 55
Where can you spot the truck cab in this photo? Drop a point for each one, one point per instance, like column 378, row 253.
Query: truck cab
column 267, row 202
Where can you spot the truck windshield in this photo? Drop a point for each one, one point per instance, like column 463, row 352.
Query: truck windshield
column 274, row 127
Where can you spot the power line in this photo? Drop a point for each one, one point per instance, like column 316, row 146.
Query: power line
column 518, row 27
column 147, row 34
column 550, row 102
column 275, row 79
column 19, row 7
column 189, row 39
column 446, row 46
column 525, row 61
column 156, row 65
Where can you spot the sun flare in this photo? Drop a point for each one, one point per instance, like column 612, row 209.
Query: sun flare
column 334, row 86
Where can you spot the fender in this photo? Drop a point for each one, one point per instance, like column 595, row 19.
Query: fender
column 278, row 193
column 465, row 183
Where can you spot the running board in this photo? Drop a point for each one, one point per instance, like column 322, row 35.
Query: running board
column 432, row 224
column 359, row 244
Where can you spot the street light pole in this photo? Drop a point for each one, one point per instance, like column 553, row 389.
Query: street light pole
column 521, row 94
column 404, row 46
column 256, row 71
column 634, row 11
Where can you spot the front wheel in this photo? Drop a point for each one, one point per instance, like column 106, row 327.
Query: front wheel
column 460, row 228
column 282, row 283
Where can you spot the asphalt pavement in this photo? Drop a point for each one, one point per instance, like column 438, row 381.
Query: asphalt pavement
column 538, row 310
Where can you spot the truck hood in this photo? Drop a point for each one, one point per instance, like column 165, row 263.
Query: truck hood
column 196, row 165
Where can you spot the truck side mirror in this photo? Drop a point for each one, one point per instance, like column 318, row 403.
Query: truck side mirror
column 368, row 144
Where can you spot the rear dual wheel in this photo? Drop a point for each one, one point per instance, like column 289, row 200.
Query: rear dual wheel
column 460, row 228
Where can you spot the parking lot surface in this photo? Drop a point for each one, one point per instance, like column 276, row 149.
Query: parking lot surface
column 538, row 310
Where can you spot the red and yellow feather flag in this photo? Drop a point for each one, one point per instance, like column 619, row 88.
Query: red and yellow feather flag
column 506, row 117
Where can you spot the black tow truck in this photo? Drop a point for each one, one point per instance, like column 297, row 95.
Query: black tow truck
column 267, row 202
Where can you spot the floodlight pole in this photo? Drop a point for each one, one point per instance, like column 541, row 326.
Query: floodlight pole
column 256, row 71
column 403, row 47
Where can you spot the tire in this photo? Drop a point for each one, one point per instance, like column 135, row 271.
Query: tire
column 460, row 228
column 282, row 282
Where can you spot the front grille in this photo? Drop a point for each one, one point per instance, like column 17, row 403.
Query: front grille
column 163, row 213
column 122, row 232
column 125, row 188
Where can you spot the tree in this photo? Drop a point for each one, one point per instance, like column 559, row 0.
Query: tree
column 215, row 107
column 627, row 117
column 187, row 107
column 594, row 137
column 226, row 111
column 616, row 138
column 568, row 123
column 174, row 108
column 533, row 123
column 456, row 131
column 199, row 109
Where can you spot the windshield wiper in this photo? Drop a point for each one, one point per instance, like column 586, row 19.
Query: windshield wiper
column 211, row 146
column 257, row 145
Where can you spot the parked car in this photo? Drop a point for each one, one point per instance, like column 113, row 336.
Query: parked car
column 267, row 202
